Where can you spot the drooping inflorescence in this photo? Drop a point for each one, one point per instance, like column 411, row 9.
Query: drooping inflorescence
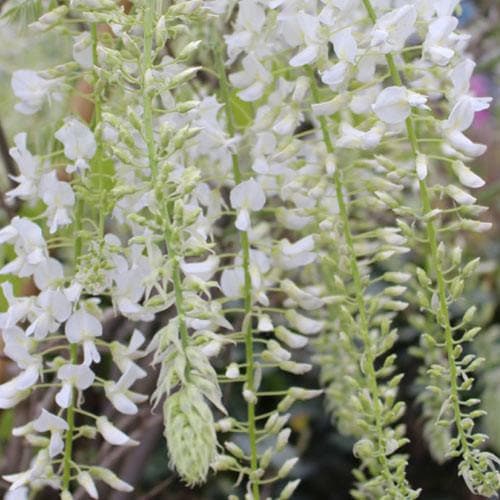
column 262, row 186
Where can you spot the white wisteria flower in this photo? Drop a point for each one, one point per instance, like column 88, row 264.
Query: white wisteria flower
column 248, row 28
column 33, row 90
column 18, row 307
column 441, row 40
column 246, row 197
column 125, row 355
column 460, row 119
column 297, row 254
column 79, row 143
column 29, row 245
column 119, row 393
column 253, row 79
column 19, row 347
column 393, row 104
column 21, row 493
column 309, row 28
column 112, row 434
column 82, row 328
column 203, row 270
column 18, row 388
column 392, row 29
column 48, row 422
column 466, row 176
column 59, row 198
column 29, row 169
column 241, row 190
column 79, row 377
column 49, row 310
column 345, row 45
column 85, row 479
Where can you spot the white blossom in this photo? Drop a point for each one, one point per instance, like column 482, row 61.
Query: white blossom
column 112, row 434
column 47, row 422
column 50, row 309
column 17, row 388
column 82, row 328
column 309, row 30
column 59, row 198
column 29, row 169
column 392, row 29
column 79, row 377
column 393, row 104
column 32, row 90
column 253, row 79
column 79, row 143
column 120, row 395
column 246, row 197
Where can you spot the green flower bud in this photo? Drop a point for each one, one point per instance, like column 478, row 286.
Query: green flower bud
column 190, row 434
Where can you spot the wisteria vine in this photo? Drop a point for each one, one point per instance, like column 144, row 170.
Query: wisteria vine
column 252, row 177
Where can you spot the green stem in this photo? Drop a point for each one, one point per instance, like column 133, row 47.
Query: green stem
column 98, row 164
column 147, row 99
column 245, row 246
column 425, row 201
column 153, row 165
column 73, row 348
column 73, row 351
column 70, row 418
column 359, row 291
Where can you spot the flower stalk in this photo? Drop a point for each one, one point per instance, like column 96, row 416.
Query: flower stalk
column 247, row 291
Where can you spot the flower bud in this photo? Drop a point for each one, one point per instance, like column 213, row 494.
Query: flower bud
column 190, row 434
column 287, row 467
column 289, row 489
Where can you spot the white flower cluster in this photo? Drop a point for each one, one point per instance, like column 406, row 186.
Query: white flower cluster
column 247, row 203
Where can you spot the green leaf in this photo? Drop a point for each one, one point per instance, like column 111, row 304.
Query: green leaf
column 242, row 112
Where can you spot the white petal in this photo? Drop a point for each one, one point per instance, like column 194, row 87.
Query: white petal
column 465, row 145
column 123, row 404
column 78, row 140
column 56, row 444
column 460, row 196
column 421, row 166
column 335, row 75
column 466, row 176
column 305, row 244
column 203, row 270
column 345, row 45
column 243, row 220
column 392, row 105
column 303, row 324
column 17, row 494
column 232, row 371
column 248, row 194
column 49, row 422
column 90, row 353
column 82, row 325
column 252, row 93
column 112, row 434
column 232, row 282
column 85, row 479
column 305, row 56
column 290, row 339
column 64, row 396
column 21, row 382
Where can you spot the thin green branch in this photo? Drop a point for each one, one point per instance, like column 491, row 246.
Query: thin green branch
column 245, row 246
column 359, row 292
